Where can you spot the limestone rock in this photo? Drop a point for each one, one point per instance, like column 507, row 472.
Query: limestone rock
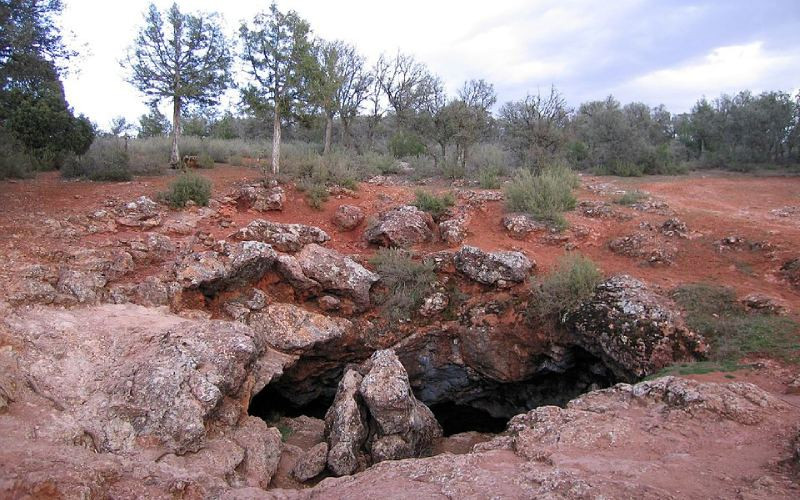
column 311, row 463
column 282, row 237
column 337, row 273
column 635, row 331
column 290, row 328
column 400, row 227
column 238, row 263
column 292, row 272
column 454, row 230
column 260, row 198
column 520, row 225
column 348, row 217
column 495, row 268
column 346, row 426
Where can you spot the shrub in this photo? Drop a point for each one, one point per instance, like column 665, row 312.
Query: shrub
column 236, row 161
column 106, row 160
column 316, row 192
column 489, row 157
column 487, row 179
column 407, row 282
column 205, row 160
column 187, row 187
column 436, row 205
column 570, row 283
column 731, row 331
column 621, row 169
column 380, row 163
column 404, row 144
column 14, row 163
column 544, row 195
column 630, row 198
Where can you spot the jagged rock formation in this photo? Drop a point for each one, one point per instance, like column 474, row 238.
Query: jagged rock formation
column 492, row 268
column 633, row 330
column 282, row 237
column 229, row 265
column 337, row 273
column 403, row 226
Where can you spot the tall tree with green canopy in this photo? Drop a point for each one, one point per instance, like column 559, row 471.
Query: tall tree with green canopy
column 279, row 56
column 185, row 58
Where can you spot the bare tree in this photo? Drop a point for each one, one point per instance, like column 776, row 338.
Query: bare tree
column 185, row 59
column 406, row 83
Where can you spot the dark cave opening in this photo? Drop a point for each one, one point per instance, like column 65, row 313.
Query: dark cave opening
column 460, row 403
column 455, row 419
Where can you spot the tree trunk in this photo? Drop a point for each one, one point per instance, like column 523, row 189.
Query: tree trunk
column 175, row 155
column 276, row 142
column 328, row 134
column 444, row 152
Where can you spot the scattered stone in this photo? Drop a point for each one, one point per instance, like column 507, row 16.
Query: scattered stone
column 763, row 304
column 788, row 211
column 337, row 273
column 282, row 237
column 519, row 226
column 645, row 246
column 348, row 217
column 500, row 269
column 675, row 227
column 400, row 227
column 790, row 270
column 732, row 242
column 434, row 304
column 635, row 331
column 311, row 463
column 260, row 198
column 601, row 210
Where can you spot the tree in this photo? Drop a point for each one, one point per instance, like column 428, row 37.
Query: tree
column 120, row 126
column 185, row 59
column 33, row 108
column 534, row 128
column 278, row 54
column 153, row 124
column 407, row 85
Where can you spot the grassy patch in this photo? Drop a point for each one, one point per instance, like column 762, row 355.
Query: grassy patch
column 187, row 187
column 105, row 161
column 407, row 282
column 544, row 195
column 571, row 282
column 731, row 331
column 487, row 179
column 630, row 198
column 436, row 205
column 316, row 192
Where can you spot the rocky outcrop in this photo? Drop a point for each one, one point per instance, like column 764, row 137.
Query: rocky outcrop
column 500, row 269
column 453, row 230
column 348, row 217
column 128, row 374
column 404, row 427
column 311, row 463
column 337, row 273
column 632, row 329
column 519, row 226
column 645, row 246
column 140, row 213
column 231, row 264
column 282, row 237
column 260, row 198
column 292, row 329
column 381, row 400
column 403, row 226
column 346, row 426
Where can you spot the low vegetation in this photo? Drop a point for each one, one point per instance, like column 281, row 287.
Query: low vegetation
column 571, row 282
column 434, row 204
column 733, row 332
column 631, row 198
column 187, row 187
column 407, row 282
column 544, row 195
column 105, row 161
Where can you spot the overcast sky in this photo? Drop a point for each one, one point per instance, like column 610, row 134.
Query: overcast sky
column 669, row 52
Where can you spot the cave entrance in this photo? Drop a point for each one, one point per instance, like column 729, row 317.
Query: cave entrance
column 270, row 405
column 455, row 419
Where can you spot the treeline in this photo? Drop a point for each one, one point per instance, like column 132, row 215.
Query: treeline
column 293, row 85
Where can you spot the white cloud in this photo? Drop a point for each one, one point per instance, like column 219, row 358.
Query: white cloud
column 726, row 69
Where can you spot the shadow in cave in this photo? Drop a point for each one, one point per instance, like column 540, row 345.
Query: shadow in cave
column 270, row 405
column 455, row 418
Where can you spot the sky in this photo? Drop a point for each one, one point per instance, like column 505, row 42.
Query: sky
column 657, row 52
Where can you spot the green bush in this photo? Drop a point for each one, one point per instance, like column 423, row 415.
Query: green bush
column 544, row 195
column 315, row 191
column 205, row 160
column 732, row 332
column 621, row 169
column 106, row 160
column 488, row 157
column 14, row 163
column 487, row 179
column 407, row 282
column 571, row 282
column 436, row 205
column 187, row 187
column 404, row 144
column 631, row 198
column 236, row 161
column 378, row 163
